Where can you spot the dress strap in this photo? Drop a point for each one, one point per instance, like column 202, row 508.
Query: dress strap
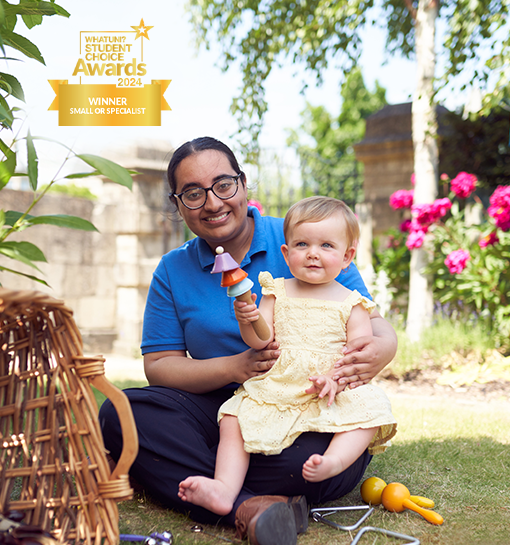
column 270, row 285
column 355, row 298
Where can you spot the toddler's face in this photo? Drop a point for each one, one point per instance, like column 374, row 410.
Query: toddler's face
column 317, row 252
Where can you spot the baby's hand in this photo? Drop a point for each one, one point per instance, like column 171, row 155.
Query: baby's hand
column 245, row 313
column 323, row 385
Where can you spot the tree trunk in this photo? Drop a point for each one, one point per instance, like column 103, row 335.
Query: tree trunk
column 420, row 309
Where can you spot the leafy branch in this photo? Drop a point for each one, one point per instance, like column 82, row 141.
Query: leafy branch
column 12, row 221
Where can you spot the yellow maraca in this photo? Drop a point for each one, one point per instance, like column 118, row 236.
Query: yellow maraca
column 396, row 497
column 372, row 488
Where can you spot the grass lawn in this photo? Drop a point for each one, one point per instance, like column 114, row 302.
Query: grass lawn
column 454, row 452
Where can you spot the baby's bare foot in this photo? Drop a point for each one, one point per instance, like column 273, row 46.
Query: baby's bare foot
column 319, row 468
column 214, row 495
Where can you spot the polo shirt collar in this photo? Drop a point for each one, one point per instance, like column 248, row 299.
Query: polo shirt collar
column 259, row 240
column 258, row 243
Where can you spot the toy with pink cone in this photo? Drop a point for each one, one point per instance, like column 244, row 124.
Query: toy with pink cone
column 238, row 285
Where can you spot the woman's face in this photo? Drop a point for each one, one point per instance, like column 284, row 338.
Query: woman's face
column 218, row 221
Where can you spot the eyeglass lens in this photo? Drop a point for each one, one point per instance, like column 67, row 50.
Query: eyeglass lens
column 225, row 188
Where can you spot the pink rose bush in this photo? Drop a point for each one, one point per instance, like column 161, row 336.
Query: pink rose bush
column 423, row 215
column 469, row 263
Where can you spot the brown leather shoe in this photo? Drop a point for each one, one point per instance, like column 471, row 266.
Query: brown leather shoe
column 300, row 509
column 271, row 520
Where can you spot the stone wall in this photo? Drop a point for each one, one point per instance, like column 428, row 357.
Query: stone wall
column 103, row 276
column 387, row 153
column 388, row 156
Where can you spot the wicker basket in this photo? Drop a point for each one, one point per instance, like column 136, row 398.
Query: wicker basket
column 53, row 464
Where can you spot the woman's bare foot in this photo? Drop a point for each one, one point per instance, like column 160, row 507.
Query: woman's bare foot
column 212, row 494
column 319, row 468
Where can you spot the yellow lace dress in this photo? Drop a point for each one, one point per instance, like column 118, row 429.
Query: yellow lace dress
column 273, row 409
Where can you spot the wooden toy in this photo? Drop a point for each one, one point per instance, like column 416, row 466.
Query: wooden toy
column 238, row 285
column 396, row 498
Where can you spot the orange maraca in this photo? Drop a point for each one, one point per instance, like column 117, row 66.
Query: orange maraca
column 395, row 497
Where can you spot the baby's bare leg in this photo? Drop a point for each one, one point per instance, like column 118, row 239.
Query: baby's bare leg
column 345, row 448
column 218, row 494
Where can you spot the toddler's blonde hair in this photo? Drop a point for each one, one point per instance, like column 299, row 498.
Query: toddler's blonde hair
column 315, row 209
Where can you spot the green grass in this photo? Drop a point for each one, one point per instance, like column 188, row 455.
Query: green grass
column 441, row 339
column 454, row 452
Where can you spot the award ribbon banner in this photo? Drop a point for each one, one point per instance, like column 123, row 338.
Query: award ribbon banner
column 92, row 104
column 107, row 57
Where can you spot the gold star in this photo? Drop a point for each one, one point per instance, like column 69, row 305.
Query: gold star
column 142, row 30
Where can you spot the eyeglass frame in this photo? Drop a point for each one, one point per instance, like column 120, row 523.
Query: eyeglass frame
column 206, row 189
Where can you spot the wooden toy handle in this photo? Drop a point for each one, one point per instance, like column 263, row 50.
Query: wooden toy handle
column 429, row 516
column 260, row 326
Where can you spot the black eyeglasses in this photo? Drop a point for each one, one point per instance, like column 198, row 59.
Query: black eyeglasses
column 225, row 188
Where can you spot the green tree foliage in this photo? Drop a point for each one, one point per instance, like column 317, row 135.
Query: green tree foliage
column 12, row 221
column 260, row 34
column 328, row 165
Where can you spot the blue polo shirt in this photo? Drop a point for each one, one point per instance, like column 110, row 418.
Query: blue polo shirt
column 187, row 309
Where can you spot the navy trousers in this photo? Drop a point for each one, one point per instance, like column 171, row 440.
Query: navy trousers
column 178, row 435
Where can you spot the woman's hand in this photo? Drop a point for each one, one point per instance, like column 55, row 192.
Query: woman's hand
column 253, row 363
column 364, row 358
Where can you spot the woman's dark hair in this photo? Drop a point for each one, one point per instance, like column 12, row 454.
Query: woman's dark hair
column 195, row 146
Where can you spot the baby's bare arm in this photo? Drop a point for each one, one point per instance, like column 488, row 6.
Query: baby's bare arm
column 246, row 314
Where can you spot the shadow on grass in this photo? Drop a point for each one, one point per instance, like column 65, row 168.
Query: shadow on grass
column 469, row 479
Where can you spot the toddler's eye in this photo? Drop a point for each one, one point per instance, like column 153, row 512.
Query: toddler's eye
column 327, row 245
column 301, row 244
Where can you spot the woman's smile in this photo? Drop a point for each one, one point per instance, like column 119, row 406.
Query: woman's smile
column 218, row 218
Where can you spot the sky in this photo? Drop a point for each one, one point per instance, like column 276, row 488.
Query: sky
column 200, row 93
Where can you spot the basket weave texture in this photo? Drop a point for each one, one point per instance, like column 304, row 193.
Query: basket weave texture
column 53, row 464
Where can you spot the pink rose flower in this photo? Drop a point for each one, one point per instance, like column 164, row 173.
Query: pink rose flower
column 423, row 214
column 257, row 205
column 417, row 226
column 463, row 184
column 405, row 226
column 502, row 218
column 489, row 240
column 413, row 179
column 415, row 239
column 401, row 199
column 456, row 261
column 500, row 207
column 440, row 207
